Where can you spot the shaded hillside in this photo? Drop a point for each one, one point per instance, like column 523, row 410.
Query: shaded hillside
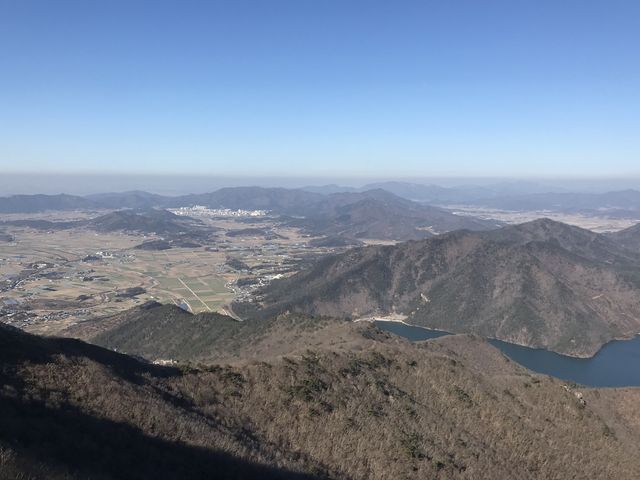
column 381, row 215
column 69, row 410
column 579, row 241
column 148, row 221
column 166, row 332
column 42, row 224
column 372, row 219
column 629, row 237
column 541, row 284
column 381, row 409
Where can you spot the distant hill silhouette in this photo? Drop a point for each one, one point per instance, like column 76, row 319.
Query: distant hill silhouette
column 146, row 221
column 41, row 203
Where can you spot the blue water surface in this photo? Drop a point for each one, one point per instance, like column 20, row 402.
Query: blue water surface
column 617, row 364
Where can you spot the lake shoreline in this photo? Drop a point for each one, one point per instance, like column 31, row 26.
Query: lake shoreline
column 611, row 367
column 401, row 319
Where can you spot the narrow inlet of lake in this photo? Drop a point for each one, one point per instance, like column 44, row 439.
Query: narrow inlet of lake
column 617, row 364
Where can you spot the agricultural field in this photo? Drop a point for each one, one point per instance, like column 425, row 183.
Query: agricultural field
column 51, row 280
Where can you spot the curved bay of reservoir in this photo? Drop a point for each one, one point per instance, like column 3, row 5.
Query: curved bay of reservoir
column 617, row 364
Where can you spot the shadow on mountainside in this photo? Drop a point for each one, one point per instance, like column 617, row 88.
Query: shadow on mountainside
column 66, row 439
column 17, row 347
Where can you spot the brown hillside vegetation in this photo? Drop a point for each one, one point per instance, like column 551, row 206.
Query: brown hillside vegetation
column 358, row 404
column 166, row 332
column 540, row 284
column 629, row 237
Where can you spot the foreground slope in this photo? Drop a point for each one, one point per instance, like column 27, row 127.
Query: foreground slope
column 540, row 284
column 371, row 406
column 69, row 410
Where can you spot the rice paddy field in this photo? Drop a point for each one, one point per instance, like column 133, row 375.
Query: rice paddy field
column 62, row 278
column 51, row 280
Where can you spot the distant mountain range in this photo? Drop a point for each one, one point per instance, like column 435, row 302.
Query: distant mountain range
column 516, row 196
column 385, row 211
column 161, row 222
column 41, row 203
column 541, row 284
column 375, row 214
column 439, row 195
column 133, row 199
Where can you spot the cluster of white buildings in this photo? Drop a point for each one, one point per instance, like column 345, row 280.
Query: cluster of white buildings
column 202, row 211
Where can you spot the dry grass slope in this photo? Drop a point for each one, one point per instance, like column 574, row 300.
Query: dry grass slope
column 361, row 404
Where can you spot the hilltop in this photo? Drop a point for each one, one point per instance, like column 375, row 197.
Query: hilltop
column 382, row 215
column 146, row 221
column 541, row 284
column 166, row 332
column 358, row 403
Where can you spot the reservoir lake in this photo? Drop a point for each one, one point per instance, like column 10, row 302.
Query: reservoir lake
column 617, row 364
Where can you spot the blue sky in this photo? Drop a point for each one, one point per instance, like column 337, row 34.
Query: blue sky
column 327, row 88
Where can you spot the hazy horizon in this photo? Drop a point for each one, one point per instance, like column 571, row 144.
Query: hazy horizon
column 344, row 89
column 87, row 184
